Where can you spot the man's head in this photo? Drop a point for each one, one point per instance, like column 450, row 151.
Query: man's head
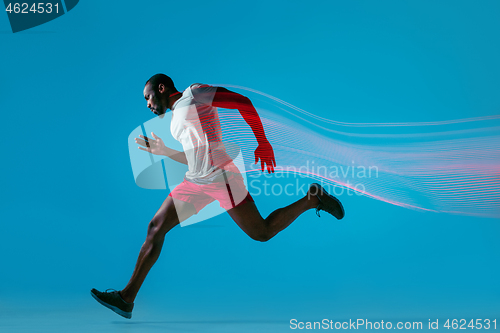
column 157, row 93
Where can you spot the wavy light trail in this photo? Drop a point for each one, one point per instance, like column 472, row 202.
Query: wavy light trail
column 448, row 166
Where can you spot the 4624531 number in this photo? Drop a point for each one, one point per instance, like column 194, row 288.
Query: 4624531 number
column 477, row 324
column 36, row 8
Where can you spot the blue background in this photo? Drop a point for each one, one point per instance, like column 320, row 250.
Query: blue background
column 72, row 217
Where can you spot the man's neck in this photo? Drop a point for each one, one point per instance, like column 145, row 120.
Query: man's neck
column 174, row 98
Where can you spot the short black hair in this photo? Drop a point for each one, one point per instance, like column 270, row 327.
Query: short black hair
column 156, row 79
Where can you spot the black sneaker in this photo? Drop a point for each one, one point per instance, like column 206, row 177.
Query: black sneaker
column 113, row 301
column 327, row 202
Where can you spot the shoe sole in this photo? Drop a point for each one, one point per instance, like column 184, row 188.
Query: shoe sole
column 122, row 313
column 329, row 207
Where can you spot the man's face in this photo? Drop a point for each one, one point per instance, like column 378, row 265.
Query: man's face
column 155, row 103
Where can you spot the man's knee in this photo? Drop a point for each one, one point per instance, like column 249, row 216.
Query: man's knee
column 261, row 236
column 158, row 228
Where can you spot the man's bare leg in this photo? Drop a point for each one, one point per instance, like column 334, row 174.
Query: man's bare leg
column 248, row 218
column 167, row 217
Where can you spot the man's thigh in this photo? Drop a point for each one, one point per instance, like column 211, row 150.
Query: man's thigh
column 248, row 218
column 171, row 213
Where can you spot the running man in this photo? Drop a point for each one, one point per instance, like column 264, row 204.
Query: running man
column 211, row 176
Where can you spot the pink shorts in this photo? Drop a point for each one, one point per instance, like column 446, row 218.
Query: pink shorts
column 230, row 194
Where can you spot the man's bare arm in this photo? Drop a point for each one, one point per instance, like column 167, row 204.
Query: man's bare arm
column 178, row 156
column 157, row 147
column 227, row 99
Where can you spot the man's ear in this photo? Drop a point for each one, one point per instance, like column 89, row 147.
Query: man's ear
column 161, row 88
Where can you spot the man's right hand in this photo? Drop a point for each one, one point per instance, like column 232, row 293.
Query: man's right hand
column 153, row 146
